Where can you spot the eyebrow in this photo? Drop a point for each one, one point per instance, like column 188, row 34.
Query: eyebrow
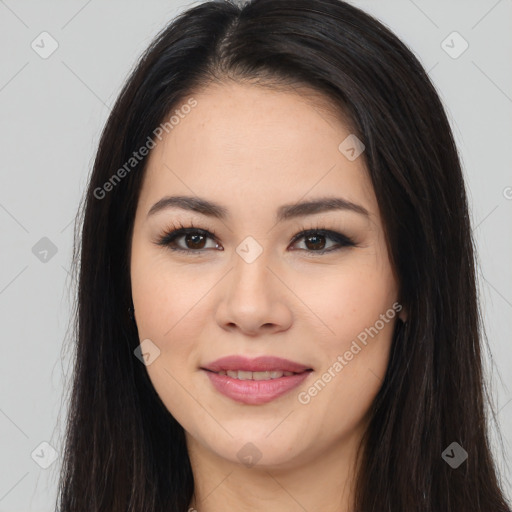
column 285, row 212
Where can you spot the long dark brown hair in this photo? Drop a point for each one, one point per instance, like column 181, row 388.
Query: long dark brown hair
column 124, row 451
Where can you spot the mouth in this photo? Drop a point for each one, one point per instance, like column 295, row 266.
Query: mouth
column 255, row 381
column 266, row 375
column 258, row 365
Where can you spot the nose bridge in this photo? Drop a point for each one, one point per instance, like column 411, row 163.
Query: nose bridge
column 252, row 298
column 250, row 265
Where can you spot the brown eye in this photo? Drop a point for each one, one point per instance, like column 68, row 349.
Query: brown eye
column 315, row 240
column 194, row 240
column 197, row 241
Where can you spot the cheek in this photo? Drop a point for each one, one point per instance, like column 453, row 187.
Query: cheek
column 351, row 299
column 162, row 295
column 166, row 303
column 355, row 307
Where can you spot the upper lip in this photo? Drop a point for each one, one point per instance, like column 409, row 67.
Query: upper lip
column 258, row 364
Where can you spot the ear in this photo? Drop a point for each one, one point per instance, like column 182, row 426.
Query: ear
column 403, row 315
column 401, row 310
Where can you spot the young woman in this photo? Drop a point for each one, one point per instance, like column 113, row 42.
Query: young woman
column 277, row 306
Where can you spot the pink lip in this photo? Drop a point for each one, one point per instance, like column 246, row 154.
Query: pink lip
column 259, row 364
column 255, row 392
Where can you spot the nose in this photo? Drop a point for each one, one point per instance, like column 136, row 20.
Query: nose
column 254, row 299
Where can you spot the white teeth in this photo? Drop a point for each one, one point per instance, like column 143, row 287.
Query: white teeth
column 243, row 375
column 263, row 375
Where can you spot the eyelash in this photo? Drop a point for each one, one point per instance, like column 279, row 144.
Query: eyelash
column 176, row 231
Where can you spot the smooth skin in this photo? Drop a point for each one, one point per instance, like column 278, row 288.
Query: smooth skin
column 252, row 150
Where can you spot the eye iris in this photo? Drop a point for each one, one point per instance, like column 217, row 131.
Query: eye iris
column 195, row 243
column 315, row 245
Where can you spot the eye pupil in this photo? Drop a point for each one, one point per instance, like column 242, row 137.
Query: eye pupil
column 195, row 244
column 317, row 237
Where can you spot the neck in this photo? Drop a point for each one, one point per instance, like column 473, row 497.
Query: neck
column 325, row 482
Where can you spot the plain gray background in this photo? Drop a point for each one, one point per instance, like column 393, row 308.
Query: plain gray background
column 53, row 110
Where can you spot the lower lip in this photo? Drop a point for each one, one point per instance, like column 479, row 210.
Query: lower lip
column 255, row 392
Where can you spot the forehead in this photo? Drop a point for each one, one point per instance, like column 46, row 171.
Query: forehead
column 247, row 143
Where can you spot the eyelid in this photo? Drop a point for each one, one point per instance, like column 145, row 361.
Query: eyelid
column 328, row 233
column 173, row 232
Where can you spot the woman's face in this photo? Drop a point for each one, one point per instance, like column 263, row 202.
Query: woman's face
column 326, row 302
